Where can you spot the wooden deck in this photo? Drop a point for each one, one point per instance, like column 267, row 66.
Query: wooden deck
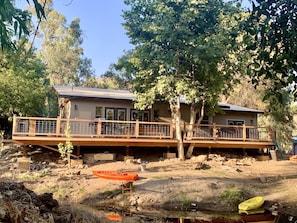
column 51, row 131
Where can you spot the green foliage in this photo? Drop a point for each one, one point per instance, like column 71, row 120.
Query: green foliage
column 61, row 50
column 120, row 75
column 66, row 150
column 183, row 49
column 271, row 36
column 279, row 116
column 15, row 22
column 23, row 85
column 34, row 176
column 232, row 196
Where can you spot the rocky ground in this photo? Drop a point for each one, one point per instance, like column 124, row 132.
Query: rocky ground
column 50, row 192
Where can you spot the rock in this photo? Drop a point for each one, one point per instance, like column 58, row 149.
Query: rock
column 200, row 166
column 262, row 179
column 200, row 158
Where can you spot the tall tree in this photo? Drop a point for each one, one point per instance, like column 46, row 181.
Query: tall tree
column 272, row 32
column 60, row 48
column 272, row 40
column 181, row 51
column 62, row 52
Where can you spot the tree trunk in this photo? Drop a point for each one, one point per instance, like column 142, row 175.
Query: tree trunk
column 192, row 122
column 190, row 129
column 175, row 108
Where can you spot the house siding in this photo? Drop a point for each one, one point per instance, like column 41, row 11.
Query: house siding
column 86, row 108
column 249, row 119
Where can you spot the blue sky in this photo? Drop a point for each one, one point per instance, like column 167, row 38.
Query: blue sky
column 101, row 21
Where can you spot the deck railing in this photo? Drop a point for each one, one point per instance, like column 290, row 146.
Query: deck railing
column 37, row 126
column 229, row 132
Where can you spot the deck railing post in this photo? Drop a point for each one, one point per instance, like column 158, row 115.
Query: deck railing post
column 171, row 130
column 137, row 128
column 214, row 131
column 58, row 126
column 244, row 132
column 99, row 127
column 271, row 134
column 32, row 127
column 14, row 124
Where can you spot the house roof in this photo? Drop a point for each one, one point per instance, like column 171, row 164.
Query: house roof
column 84, row 92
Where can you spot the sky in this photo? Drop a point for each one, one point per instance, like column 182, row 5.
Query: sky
column 101, row 22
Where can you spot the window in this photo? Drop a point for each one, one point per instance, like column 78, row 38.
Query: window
column 109, row 114
column 235, row 122
column 140, row 115
column 98, row 112
column 121, row 114
column 115, row 114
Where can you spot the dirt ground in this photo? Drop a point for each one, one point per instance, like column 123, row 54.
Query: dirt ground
column 202, row 183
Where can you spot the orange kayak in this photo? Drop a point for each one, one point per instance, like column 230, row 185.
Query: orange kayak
column 115, row 175
column 114, row 217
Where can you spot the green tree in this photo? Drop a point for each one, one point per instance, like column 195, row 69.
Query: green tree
column 278, row 109
column 86, row 73
column 272, row 36
column 120, row 75
column 23, row 82
column 182, row 49
column 61, row 50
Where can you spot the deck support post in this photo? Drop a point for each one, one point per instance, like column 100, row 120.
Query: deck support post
column 128, row 150
column 78, row 150
column 244, row 152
